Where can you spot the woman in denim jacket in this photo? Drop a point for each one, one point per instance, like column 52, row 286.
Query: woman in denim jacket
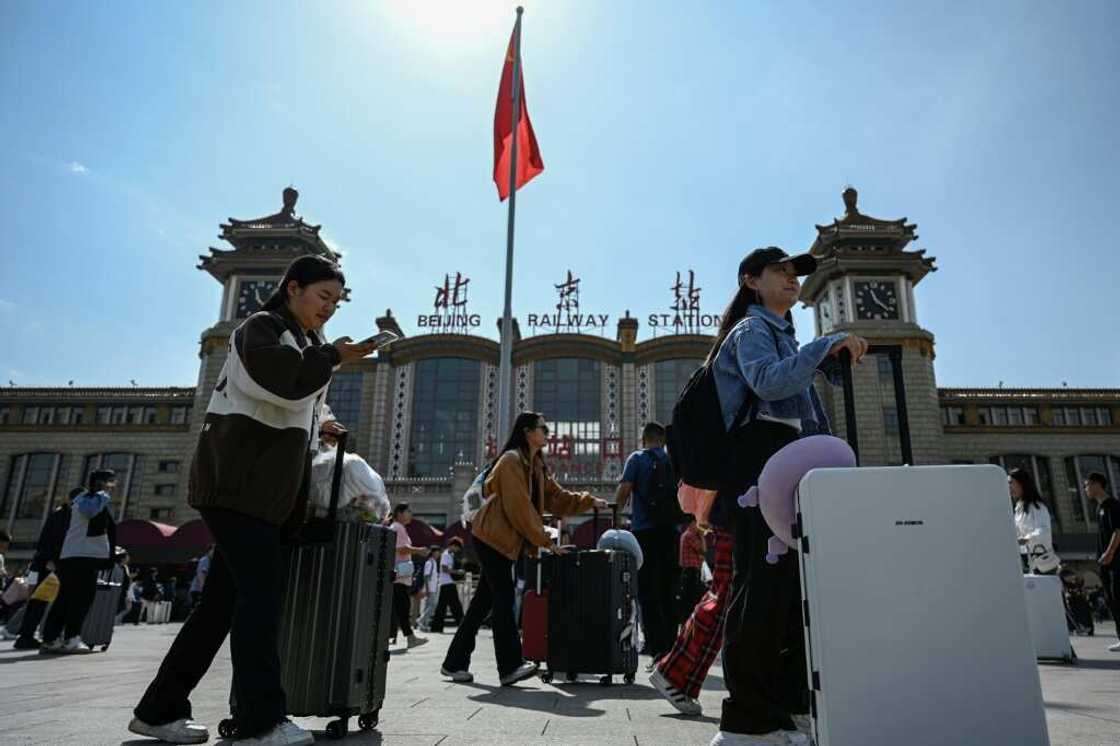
column 756, row 359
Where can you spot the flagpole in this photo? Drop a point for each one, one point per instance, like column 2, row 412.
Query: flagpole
column 505, row 369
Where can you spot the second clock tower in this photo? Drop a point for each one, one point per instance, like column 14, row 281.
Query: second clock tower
column 864, row 284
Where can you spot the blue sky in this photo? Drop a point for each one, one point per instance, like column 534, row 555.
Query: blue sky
column 674, row 136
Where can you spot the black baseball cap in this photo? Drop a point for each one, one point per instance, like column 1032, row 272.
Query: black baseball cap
column 759, row 259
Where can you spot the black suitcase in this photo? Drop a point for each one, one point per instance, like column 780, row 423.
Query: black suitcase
column 334, row 620
column 97, row 628
column 591, row 615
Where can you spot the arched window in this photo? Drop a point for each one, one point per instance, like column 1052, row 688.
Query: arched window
column 344, row 397
column 1039, row 468
column 669, row 379
column 569, row 392
column 31, row 486
column 444, row 414
column 129, row 468
column 1077, row 469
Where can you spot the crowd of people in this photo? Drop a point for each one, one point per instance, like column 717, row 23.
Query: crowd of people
column 701, row 585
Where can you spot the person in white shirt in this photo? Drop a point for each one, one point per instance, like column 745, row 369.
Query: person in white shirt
column 448, row 593
column 402, row 516
column 431, row 588
column 1032, row 524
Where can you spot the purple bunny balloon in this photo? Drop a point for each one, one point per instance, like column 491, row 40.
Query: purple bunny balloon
column 776, row 492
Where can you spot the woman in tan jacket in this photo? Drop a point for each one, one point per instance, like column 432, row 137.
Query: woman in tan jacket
column 518, row 490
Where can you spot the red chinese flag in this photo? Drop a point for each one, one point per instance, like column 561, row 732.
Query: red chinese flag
column 529, row 162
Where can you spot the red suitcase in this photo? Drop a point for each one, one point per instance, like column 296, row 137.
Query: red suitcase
column 534, row 610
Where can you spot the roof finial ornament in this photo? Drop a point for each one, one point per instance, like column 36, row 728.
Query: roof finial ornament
column 850, row 196
column 290, row 197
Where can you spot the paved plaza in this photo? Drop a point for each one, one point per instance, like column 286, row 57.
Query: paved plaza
column 87, row 700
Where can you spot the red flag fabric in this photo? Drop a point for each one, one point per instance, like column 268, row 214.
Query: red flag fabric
column 529, row 162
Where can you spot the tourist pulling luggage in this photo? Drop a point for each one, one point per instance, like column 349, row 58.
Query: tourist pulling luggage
column 334, row 623
column 591, row 603
column 97, row 629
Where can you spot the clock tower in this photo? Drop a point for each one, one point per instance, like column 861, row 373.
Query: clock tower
column 864, row 284
column 249, row 270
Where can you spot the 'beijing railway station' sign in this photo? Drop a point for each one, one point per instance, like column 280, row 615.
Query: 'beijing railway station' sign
column 683, row 316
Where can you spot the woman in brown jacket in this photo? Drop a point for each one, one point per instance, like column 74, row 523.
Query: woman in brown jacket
column 518, row 490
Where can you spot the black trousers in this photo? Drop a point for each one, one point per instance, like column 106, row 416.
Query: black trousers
column 32, row 616
column 241, row 598
column 402, row 610
column 764, row 650
column 691, row 590
column 1110, row 579
column 448, row 599
column 494, row 597
column 657, row 585
column 77, row 579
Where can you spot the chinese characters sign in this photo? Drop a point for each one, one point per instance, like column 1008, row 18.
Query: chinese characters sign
column 450, row 308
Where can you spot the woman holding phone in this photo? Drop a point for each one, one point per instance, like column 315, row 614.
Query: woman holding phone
column 249, row 481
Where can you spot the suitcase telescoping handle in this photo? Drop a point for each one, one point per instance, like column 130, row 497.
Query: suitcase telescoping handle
column 336, row 476
column 595, row 517
column 894, row 354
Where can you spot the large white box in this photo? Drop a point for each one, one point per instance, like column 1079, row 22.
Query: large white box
column 1046, row 618
column 916, row 626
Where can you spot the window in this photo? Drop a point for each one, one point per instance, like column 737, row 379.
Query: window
column 1104, row 416
column 30, row 415
column 444, row 415
column 31, row 483
column 46, row 416
column 344, row 397
column 1039, row 469
column 104, row 415
column 1030, row 415
column 165, row 490
column 128, row 467
column 180, row 415
column 952, row 416
column 886, row 371
column 999, row 416
column 890, row 420
column 168, row 467
column 161, row 514
column 149, row 415
column 669, row 379
column 1077, row 469
column 568, row 392
column 1088, row 416
column 135, row 415
column 1014, row 415
column 119, row 416
column 984, row 415
column 5, row 414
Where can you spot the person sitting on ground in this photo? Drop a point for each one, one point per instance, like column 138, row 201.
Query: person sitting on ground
column 518, row 491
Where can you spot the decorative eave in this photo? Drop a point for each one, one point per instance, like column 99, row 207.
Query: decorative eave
column 1064, row 395
column 912, row 264
column 856, row 234
column 222, row 263
column 108, row 394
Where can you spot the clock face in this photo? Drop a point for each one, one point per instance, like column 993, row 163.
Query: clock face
column 251, row 295
column 876, row 299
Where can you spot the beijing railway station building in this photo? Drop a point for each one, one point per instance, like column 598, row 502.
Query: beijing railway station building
column 424, row 411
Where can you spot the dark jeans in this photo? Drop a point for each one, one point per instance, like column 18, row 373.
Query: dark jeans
column 495, row 597
column 1110, row 579
column 241, row 598
column 402, row 610
column 657, row 585
column 32, row 616
column 448, row 599
column 764, row 651
column 77, row 579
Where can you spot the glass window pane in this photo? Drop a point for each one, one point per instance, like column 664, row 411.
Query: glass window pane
column 30, row 415
column 1072, row 417
column 670, row 377
column 568, row 392
column 1104, row 416
column 33, row 493
column 1030, row 415
column 344, row 397
column 444, row 415
column 999, row 415
column 1015, row 415
column 1074, row 489
column 1088, row 416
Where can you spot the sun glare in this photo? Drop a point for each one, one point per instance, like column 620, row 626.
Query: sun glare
column 460, row 25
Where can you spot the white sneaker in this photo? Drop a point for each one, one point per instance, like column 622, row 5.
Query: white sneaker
column 804, row 724
column 685, row 704
column 75, row 645
column 461, row 677
column 180, row 731
column 522, row 672
column 415, row 642
column 286, row 733
column 1114, row 648
column 725, row 738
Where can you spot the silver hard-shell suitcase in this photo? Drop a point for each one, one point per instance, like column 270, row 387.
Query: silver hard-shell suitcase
column 97, row 628
column 1046, row 618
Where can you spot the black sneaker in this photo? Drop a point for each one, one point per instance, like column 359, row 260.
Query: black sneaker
column 26, row 643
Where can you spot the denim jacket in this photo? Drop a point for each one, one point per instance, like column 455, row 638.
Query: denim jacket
column 761, row 354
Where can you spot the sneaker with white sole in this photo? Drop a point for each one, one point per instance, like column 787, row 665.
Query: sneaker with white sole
column 286, row 733
column 685, row 704
column 415, row 641
column 75, row 645
column 804, row 724
column 52, row 648
column 522, row 672
column 726, row 738
column 1114, row 648
column 183, row 730
column 461, row 677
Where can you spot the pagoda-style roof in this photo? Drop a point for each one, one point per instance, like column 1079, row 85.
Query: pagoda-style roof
column 268, row 242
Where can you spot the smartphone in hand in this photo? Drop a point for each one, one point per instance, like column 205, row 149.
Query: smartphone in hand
column 380, row 339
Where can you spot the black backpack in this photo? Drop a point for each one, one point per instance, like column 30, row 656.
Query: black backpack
column 663, row 506
column 699, row 446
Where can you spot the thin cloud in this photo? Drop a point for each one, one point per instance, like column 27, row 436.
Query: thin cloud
column 77, row 168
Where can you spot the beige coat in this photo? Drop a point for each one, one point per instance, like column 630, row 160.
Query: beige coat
column 508, row 519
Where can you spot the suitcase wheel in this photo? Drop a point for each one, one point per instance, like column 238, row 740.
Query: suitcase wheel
column 368, row 721
column 337, row 729
column 572, row 677
column 546, row 677
column 104, row 647
column 628, row 678
column 227, row 728
column 606, row 680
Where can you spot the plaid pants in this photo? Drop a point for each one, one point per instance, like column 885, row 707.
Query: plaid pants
column 686, row 665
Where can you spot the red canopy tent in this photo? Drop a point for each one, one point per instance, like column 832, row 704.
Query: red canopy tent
column 423, row 534
column 146, row 541
column 192, row 539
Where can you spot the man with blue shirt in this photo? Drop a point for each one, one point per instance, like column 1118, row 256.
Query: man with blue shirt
column 648, row 477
